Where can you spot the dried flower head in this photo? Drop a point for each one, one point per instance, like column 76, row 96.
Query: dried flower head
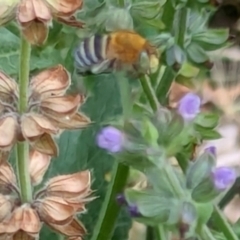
column 35, row 16
column 189, row 106
column 111, row 139
column 57, row 205
column 49, row 112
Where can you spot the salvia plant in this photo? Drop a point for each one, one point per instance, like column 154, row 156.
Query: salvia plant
column 84, row 110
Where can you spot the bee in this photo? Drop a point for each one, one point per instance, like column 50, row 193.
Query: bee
column 120, row 50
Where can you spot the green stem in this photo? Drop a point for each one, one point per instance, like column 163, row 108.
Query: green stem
column 149, row 91
column 164, row 85
column 223, row 224
column 110, row 209
column 160, row 233
column 205, row 234
column 179, row 26
column 23, row 147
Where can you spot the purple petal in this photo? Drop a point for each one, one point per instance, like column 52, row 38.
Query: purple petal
column 223, row 177
column 189, row 106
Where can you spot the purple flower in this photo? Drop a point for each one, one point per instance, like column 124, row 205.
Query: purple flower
column 212, row 150
column 133, row 211
column 223, row 177
column 111, row 139
column 189, row 106
column 121, row 200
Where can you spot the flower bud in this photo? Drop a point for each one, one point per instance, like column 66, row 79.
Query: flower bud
column 133, row 210
column 121, row 200
column 7, row 10
column 212, row 150
column 189, row 106
column 111, row 139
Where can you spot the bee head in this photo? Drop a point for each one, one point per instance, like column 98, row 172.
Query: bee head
column 148, row 63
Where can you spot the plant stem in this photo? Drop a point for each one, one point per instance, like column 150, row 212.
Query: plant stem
column 205, row 233
column 223, row 224
column 110, row 209
column 179, row 25
column 147, row 88
column 23, row 147
column 160, row 233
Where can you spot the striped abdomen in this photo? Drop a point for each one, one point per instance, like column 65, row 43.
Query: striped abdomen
column 91, row 51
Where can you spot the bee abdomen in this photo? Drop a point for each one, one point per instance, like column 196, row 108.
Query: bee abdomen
column 91, row 51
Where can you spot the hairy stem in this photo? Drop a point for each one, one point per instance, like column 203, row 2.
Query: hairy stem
column 23, row 147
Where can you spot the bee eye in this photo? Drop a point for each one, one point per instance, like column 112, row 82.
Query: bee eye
column 144, row 61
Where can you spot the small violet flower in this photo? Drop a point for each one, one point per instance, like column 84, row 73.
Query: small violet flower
column 189, row 106
column 133, row 211
column 111, row 139
column 212, row 150
column 223, row 177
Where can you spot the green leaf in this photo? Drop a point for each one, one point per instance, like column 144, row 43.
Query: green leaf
column 212, row 39
column 150, row 204
column 207, row 120
column 150, row 133
column 207, row 134
column 204, row 211
column 199, row 170
column 196, row 53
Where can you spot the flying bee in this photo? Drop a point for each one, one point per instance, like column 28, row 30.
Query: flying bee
column 116, row 51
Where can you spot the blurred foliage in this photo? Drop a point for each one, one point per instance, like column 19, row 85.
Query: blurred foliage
column 177, row 27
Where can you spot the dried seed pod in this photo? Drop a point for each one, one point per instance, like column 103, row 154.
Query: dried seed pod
column 34, row 125
column 7, row 10
column 59, row 107
column 23, row 218
column 77, row 121
column 8, row 88
column 46, row 145
column 7, row 175
column 74, row 229
column 38, row 165
column 21, row 235
column 34, row 17
column 66, row 8
column 6, row 206
column 54, row 210
column 51, row 82
column 69, row 186
column 8, row 130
